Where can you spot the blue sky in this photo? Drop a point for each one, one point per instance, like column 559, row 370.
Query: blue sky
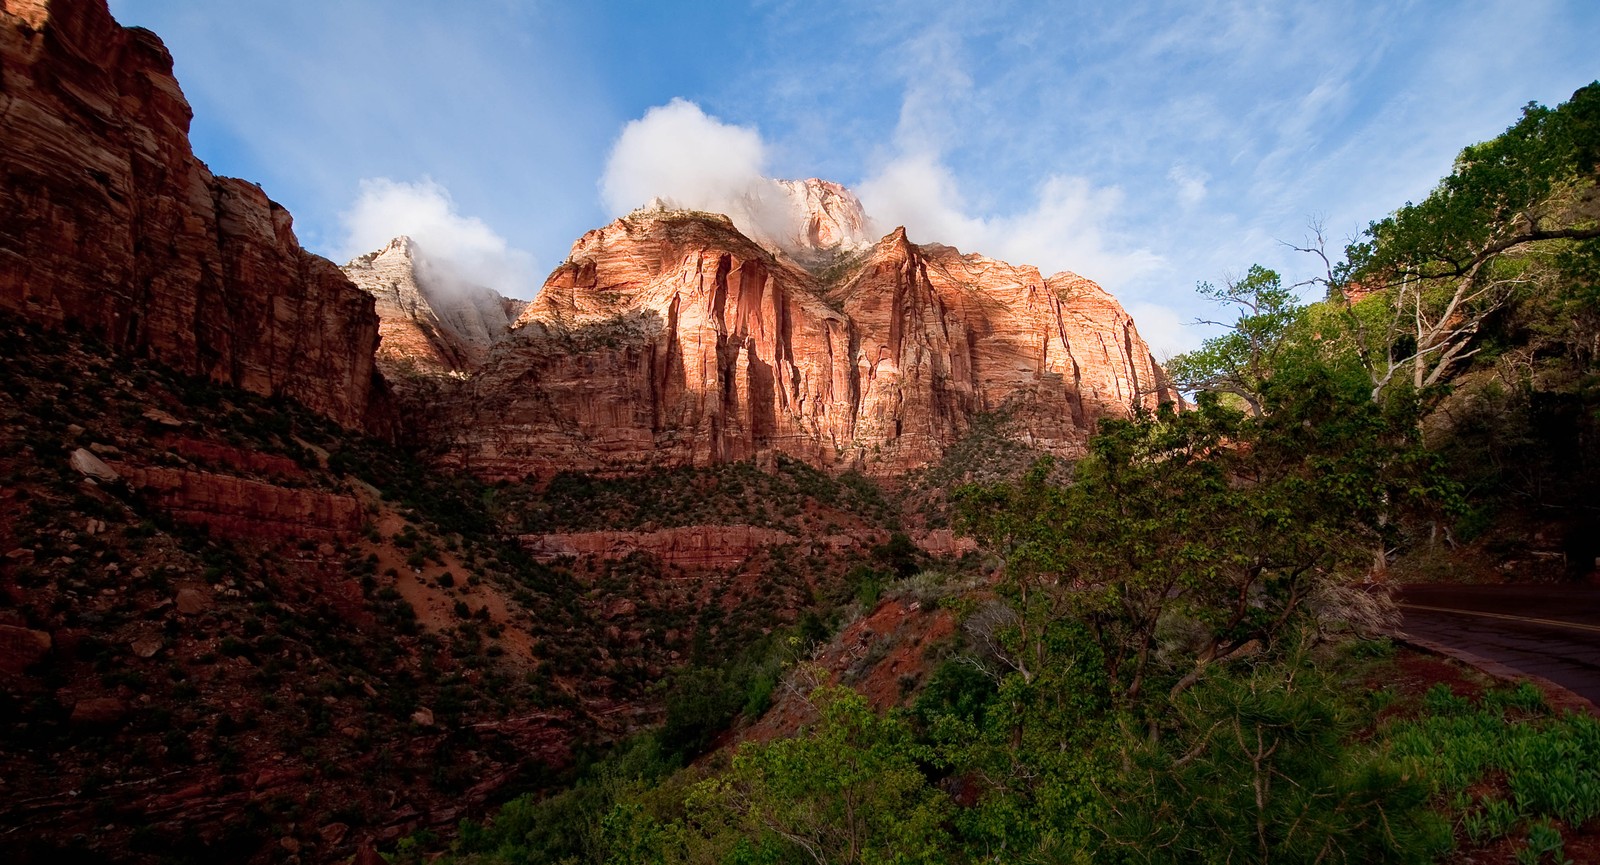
column 1146, row 145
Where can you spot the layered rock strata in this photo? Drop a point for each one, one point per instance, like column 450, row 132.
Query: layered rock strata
column 669, row 337
column 109, row 223
column 237, row 507
column 429, row 324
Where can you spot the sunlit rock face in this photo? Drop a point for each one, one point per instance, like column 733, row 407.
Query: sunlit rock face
column 429, row 324
column 828, row 218
column 670, row 337
column 109, row 223
column 808, row 222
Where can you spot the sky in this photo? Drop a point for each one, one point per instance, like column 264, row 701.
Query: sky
column 1146, row 145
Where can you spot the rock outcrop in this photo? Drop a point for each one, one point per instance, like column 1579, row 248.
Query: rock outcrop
column 429, row 325
column 109, row 223
column 806, row 221
column 240, row 507
column 668, row 337
column 684, row 546
column 828, row 218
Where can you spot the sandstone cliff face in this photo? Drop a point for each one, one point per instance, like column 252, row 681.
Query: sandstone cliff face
column 827, row 216
column 427, row 326
column 669, row 337
column 242, row 508
column 108, row 222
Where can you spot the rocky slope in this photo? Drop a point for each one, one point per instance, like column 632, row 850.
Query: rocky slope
column 208, row 609
column 669, row 337
column 109, row 223
column 230, row 628
column 428, row 325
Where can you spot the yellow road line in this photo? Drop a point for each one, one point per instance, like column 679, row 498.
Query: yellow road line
column 1557, row 623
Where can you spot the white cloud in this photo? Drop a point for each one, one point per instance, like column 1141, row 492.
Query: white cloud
column 1067, row 227
column 677, row 152
column 920, row 192
column 1190, row 184
column 689, row 159
column 460, row 251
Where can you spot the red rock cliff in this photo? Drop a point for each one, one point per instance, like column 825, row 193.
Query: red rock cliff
column 109, row 222
column 669, row 337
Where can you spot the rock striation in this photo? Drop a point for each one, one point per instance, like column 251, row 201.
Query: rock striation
column 429, row 325
column 109, row 223
column 669, row 337
column 827, row 218
column 240, row 507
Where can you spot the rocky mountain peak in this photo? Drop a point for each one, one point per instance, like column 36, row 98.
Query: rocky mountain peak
column 810, row 221
column 401, row 245
column 670, row 337
column 830, row 217
column 429, row 323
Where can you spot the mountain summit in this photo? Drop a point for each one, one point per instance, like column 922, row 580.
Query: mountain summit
column 810, row 221
column 672, row 337
column 428, row 322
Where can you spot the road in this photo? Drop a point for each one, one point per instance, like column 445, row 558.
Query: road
column 1549, row 631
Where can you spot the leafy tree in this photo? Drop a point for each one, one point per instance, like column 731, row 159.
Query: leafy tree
column 1240, row 361
column 1031, row 751
column 1257, row 769
column 1188, row 539
column 1441, row 267
column 849, row 790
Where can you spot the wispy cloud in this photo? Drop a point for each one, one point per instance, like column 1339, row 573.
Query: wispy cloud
column 1189, row 184
column 1147, row 144
column 461, row 252
column 1066, row 227
column 683, row 157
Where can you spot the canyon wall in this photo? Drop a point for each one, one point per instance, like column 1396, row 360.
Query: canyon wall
column 668, row 337
column 110, row 224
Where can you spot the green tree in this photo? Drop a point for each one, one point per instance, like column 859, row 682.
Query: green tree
column 849, row 790
column 1430, row 276
column 1187, row 539
column 1240, row 361
column 1258, row 769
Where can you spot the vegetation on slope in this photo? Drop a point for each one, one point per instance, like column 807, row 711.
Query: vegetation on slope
column 323, row 674
column 1170, row 667
column 793, row 497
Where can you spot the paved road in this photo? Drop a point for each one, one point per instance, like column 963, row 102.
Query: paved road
column 1549, row 631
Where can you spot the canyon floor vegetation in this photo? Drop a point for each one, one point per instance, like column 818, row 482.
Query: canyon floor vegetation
column 1175, row 651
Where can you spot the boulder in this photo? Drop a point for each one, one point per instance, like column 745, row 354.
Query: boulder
column 191, row 602
column 21, row 648
column 98, row 712
column 89, row 465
